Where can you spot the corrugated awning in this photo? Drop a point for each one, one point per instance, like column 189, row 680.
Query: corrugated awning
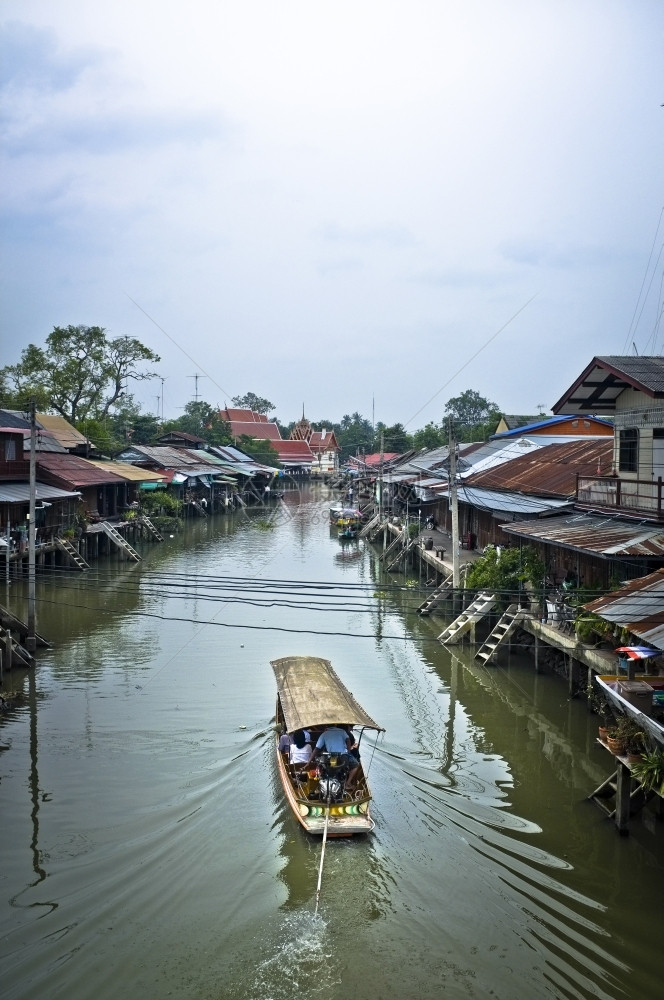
column 311, row 694
column 20, row 493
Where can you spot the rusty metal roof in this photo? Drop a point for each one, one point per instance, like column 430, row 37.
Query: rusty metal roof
column 638, row 606
column 549, row 471
column 605, row 537
column 75, row 471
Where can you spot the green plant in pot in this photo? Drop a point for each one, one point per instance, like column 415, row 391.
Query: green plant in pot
column 598, row 704
column 650, row 771
column 623, row 733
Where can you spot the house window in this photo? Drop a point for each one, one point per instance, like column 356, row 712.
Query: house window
column 10, row 450
column 628, row 458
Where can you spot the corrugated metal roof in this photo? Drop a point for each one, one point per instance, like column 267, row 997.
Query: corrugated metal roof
column 74, row 470
column 638, row 606
column 551, row 470
column 133, row 473
column 551, row 422
column 61, row 430
column 20, row 493
column 515, row 503
column 605, row 537
column 167, row 457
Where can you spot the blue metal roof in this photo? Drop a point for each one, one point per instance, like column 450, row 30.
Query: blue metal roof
column 549, row 422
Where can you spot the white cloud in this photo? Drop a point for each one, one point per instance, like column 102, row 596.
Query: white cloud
column 329, row 202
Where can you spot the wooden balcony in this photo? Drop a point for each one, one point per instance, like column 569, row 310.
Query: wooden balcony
column 616, row 495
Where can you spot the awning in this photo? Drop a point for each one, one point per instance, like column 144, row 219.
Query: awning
column 20, row 493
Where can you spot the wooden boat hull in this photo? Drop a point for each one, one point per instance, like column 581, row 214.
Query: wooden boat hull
column 347, row 818
column 311, row 697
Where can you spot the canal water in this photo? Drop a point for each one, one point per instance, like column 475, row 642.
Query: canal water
column 146, row 851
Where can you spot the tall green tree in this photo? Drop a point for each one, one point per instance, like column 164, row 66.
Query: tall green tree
column 356, row 435
column 473, row 417
column 80, row 371
column 396, row 439
column 250, row 401
column 203, row 420
column 431, row 436
column 259, row 449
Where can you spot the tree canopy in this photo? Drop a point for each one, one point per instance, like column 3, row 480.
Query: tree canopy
column 473, row 417
column 203, row 420
column 80, row 373
column 250, row 401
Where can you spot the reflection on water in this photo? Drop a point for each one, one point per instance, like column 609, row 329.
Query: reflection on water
column 144, row 829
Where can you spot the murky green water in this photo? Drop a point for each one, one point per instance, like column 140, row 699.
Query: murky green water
column 146, row 852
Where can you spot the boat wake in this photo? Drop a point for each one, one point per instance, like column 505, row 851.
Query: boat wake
column 300, row 961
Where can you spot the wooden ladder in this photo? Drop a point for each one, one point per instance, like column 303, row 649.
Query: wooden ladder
column 620, row 796
column 199, row 508
column 121, row 542
column 71, row 552
column 151, row 528
column 364, row 531
column 504, row 628
column 476, row 610
column 14, row 624
column 14, row 655
column 394, row 544
column 402, row 554
column 436, row 596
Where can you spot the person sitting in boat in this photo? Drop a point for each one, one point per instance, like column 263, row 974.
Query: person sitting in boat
column 285, row 741
column 300, row 751
column 335, row 740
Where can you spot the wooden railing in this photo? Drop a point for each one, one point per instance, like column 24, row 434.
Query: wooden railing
column 631, row 496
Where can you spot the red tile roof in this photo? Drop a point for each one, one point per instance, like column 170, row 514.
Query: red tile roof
column 327, row 443
column 236, row 414
column 255, row 429
column 293, row 451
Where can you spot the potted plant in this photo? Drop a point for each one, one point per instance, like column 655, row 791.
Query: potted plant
column 650, row 771
column 599, row 704
column 625, row 733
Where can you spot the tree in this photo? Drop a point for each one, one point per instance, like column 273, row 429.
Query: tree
column 80, row 372
column 259, row 449
column 250, row 401
column 472, row 415
column 355, row 436
column 397, row 439
column 132, row 426
column 430, row 436
column 203, row 420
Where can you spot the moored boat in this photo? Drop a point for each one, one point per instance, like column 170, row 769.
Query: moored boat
column 334, row 788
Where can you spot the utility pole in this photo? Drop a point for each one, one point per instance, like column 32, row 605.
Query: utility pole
column 31, row 639
column 454, row 507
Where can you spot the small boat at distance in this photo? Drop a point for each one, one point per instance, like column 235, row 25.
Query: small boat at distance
column 310, row 696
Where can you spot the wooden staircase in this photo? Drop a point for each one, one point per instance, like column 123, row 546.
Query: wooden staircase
column 504, row 628
column 364, row 531
column 396, row 543
column 120, row 541
column 621, row 792
column 199, row 508
column 14, row 624
column 13, row 654
column 402, row 554
column 72, row 553
column 480, row 607
column 436, row 596
column 151, row 528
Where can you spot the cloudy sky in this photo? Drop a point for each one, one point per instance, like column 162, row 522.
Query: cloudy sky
column 331, row 203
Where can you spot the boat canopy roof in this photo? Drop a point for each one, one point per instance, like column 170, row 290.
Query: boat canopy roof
column 311, row 694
